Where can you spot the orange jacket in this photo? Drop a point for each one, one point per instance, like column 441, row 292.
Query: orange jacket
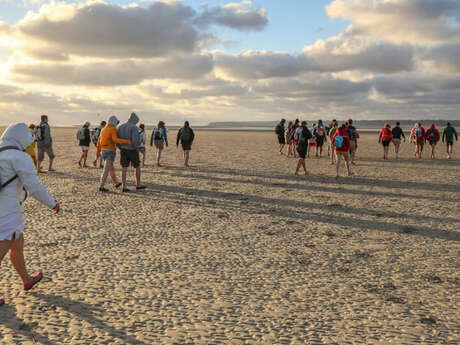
column 108, row 138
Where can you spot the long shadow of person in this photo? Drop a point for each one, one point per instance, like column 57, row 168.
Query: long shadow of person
column 18, row 328
column 86, row 312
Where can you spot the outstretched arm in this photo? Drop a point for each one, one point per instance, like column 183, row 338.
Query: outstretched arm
column 25, row 170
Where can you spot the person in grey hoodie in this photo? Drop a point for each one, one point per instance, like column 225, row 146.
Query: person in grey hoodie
column 130, row 152
column 44, row 143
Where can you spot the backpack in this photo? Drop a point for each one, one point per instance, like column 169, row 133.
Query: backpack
column 278, row 129
column 81, row 134
column 157, row 134
column 39, row 133
column 186, row 135
column 320, row 132
column 338, row 142
column 418, row 133
column 95, row 136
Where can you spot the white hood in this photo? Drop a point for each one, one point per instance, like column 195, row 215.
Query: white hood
column 17, row 135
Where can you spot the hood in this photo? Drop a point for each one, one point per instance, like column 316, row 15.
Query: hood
column 134, row 119
column 432, row 126
column 18, row 135
column 113, row 121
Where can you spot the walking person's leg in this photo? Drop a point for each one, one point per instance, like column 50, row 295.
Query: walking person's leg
column 107, row 167
column 337, row 164
column 159, row 156
column 187, row 157
column 4, row 247
column 299, row 164
column 124, row 171
column 85, row 158
column 17, row 259
column 50, row 153
column 449, row 151
column 113, row 175
column 348, row 165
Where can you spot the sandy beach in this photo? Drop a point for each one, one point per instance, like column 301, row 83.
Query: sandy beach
column 238, row 250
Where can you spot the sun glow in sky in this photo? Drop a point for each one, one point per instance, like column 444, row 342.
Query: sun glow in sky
column 229, row 60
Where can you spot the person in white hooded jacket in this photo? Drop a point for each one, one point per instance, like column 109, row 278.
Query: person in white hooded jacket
column 17, row 168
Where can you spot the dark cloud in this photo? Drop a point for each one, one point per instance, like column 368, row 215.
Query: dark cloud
column 445, row 57
column 234, row 15
column 113, row 31
column 121, row 72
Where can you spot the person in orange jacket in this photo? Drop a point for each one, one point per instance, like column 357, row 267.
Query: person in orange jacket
column 385, row 137
column 106, row 146
column 433, row 136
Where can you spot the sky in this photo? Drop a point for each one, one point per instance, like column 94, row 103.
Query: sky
column 208, row 61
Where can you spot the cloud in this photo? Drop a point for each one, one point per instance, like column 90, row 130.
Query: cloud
column 443, row 57
column 260, row 64
column 235, row 15
column 415, row 21
column 113, row 73
column 111, row 31
column 335, row 55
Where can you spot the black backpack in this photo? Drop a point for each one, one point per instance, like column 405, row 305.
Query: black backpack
column 157, row 135
column 278, row 129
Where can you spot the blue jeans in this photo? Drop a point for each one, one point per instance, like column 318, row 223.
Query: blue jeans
column 109, row 155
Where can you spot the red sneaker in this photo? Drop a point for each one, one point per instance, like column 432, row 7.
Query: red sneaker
column 35, row 279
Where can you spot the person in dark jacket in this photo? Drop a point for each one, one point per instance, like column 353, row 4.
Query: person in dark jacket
column 448, row 136
column 397, row 133
column 185, row 136
column 84, row 142
column 302, row 135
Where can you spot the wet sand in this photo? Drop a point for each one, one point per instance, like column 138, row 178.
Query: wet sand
column 237, row 250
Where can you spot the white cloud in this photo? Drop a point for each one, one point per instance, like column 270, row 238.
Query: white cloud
column 415, row 21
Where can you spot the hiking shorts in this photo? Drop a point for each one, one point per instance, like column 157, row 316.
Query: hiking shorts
column 449, row 143
column 433, row 142
column 45, row 149
column 159, row 144
column 281, row 139
column 386, row 143
column 84, row 148
column 108, row 155
column 128, row 157
column 302, row 150
column 186, row 146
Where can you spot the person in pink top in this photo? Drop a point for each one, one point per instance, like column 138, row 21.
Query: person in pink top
column 385, row 137
column 341, row 143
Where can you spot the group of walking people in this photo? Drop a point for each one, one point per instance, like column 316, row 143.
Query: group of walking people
column 341, row 142
column 419, row 137
column 131, row 141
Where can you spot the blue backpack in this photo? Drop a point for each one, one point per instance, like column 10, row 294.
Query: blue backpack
column 338, row 142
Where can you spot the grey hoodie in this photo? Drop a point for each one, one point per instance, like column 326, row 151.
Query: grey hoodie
column 130, row 131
